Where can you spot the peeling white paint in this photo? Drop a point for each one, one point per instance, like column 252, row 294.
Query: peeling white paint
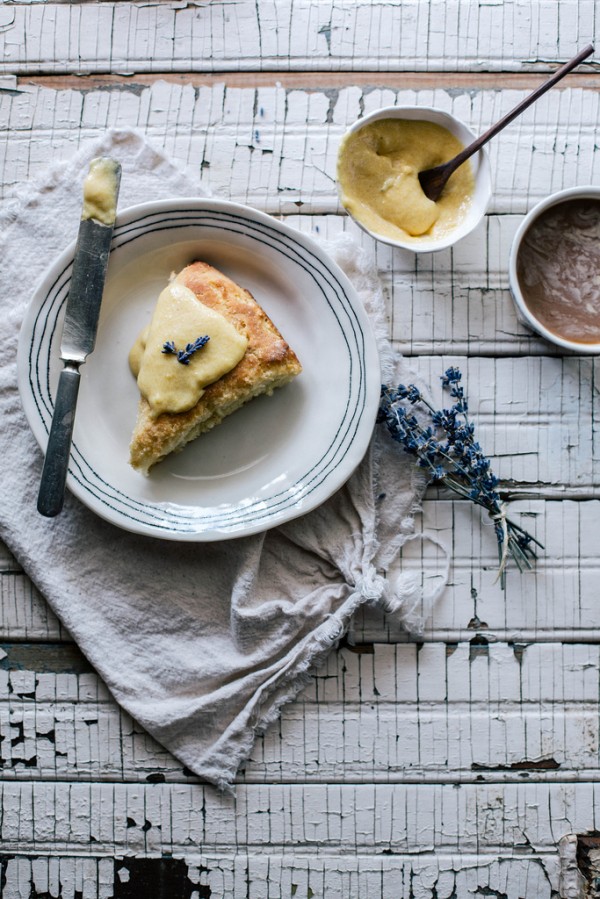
column 379, row 35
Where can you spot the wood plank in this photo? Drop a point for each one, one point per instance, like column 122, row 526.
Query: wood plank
column 362, row 819
column 534, row 416
column 533, row 607
column 275, row 147
column 231, row 875
column 372, row 35
column 456, row 301
column 468, row 712
column 556, row 601
column 310, row 81
column 8, row 563
column 23, row 611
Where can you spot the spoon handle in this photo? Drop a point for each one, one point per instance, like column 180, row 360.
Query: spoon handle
column 491, row 132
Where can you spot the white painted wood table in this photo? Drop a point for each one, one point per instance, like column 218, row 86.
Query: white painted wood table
column 463, row 765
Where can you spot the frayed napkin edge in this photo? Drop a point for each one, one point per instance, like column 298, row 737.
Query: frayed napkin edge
column 316, row 648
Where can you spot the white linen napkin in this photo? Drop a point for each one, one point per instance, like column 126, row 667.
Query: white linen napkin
column 200, row 644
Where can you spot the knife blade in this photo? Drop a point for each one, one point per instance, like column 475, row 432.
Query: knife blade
column 100, row 194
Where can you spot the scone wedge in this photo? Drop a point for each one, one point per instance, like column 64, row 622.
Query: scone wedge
column 268, row 363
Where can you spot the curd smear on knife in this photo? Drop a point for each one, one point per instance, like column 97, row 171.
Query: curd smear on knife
column 378, row 168
column 100, row 191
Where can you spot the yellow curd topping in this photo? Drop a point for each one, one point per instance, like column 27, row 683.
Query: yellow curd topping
column 378, row 168
column 179, row 317
column 100, row 191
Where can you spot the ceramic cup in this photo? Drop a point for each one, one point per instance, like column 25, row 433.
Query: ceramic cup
column 479, row 162
column 523, row 311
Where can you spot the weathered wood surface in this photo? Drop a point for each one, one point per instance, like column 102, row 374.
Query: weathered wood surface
column 405, row 713
column 372, row 35
column 275, row 146
column 271, row 875
column 465, row 763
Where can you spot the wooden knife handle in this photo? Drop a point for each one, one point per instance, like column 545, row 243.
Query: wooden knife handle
column 54, row 474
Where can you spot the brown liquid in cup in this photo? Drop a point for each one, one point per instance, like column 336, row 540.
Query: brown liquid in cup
column 558, row 268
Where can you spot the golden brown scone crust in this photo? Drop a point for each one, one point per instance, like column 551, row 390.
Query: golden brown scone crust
column 267, row 363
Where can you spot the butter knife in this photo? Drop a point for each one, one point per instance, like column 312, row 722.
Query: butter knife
column 100, row 193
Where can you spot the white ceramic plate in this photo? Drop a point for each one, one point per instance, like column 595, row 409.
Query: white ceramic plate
column 276, row 458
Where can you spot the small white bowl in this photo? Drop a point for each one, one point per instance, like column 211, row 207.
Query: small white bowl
column 524, row 313
column 479, row 162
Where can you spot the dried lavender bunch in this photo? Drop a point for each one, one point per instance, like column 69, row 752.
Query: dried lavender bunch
column 456, row 459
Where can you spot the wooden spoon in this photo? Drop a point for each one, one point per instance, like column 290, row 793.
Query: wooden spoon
column 434, row 180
